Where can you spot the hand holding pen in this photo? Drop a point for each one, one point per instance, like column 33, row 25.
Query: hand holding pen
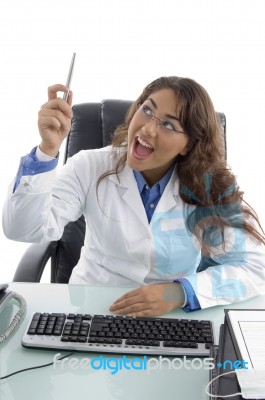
column 55, row 116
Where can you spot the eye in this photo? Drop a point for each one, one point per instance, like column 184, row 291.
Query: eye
column 147, row 111
column 167, row 125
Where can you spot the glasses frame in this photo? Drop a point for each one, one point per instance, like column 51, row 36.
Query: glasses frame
column 160, row 121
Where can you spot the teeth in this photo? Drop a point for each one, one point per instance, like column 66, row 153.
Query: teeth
column 143, row 143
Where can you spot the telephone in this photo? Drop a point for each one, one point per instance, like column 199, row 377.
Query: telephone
column 5, row 296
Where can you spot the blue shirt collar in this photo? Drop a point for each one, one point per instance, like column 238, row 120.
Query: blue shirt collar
column 141, row 182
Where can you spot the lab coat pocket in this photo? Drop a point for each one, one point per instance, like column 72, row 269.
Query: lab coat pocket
column 176, row 252
column 183, row 255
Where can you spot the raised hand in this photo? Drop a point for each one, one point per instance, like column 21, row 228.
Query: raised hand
column 54, row 120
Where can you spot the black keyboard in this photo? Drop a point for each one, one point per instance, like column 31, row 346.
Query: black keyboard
column 119, row 334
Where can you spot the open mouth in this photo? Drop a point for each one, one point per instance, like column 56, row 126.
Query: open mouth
column 142, row 149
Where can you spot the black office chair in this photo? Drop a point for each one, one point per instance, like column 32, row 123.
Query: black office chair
column 92, row 127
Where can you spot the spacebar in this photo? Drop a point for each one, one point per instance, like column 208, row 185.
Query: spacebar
column 138, row 342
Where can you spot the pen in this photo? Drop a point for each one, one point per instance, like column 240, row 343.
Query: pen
column 69, row 77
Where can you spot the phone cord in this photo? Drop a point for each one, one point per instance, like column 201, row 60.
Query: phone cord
column 17, row 318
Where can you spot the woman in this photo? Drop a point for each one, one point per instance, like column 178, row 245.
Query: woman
column 155, row 201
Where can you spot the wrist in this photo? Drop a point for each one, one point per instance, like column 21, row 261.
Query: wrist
column 174, row 293
column 49, row 151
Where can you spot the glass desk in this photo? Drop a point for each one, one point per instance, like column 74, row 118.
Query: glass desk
column 72, row 381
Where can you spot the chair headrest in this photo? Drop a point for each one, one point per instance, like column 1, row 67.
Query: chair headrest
column 93, row 124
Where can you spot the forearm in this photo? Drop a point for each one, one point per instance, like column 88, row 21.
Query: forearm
column 238, row 275
column 41, row 205
column 26, row 210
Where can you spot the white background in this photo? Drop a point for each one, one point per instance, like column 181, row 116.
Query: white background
column 121, row 46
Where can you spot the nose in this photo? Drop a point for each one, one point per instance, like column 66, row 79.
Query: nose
column 150, row 128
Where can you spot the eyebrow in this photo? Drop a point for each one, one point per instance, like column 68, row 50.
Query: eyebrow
column 167, row 115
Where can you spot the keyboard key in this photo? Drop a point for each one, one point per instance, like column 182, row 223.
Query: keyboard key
column 184, row 338
column 57, row 332
column 176, row 344
column 168, row 343
column 81, row 339
column 130, row 341
column 56, row 315
column 109, row 340
column 33, row 324
column 117, row 341
column 98, row 327
column 205, row 323
column 100, row 340
column 72, row 338
column 83, row 333
column 184, row 344
column 151, row 343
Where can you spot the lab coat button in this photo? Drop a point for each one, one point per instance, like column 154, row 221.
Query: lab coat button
column 148, row 236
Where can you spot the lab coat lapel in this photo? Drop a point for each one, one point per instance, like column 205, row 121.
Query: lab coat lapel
column 127, row 188
column 170, row 196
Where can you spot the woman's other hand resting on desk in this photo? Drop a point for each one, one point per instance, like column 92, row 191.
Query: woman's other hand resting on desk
column 54, row 120
column 151, row 300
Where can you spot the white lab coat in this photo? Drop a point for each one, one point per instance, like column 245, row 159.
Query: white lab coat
column 121, row 247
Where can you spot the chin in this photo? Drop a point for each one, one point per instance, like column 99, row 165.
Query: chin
column 133, row 164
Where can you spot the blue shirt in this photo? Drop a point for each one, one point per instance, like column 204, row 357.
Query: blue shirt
column 30, row 165
column 151, row 195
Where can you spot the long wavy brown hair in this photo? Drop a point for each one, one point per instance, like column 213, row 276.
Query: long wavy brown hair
column 205, row 179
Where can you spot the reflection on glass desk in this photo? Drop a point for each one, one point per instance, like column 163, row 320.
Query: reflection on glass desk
column 73, row 377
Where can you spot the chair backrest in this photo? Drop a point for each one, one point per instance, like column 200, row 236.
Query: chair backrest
column 93, row 124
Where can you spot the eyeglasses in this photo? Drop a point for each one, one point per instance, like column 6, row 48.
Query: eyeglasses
column 146, row 113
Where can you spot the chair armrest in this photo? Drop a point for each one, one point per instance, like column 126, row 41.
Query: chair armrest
column 33, row 261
